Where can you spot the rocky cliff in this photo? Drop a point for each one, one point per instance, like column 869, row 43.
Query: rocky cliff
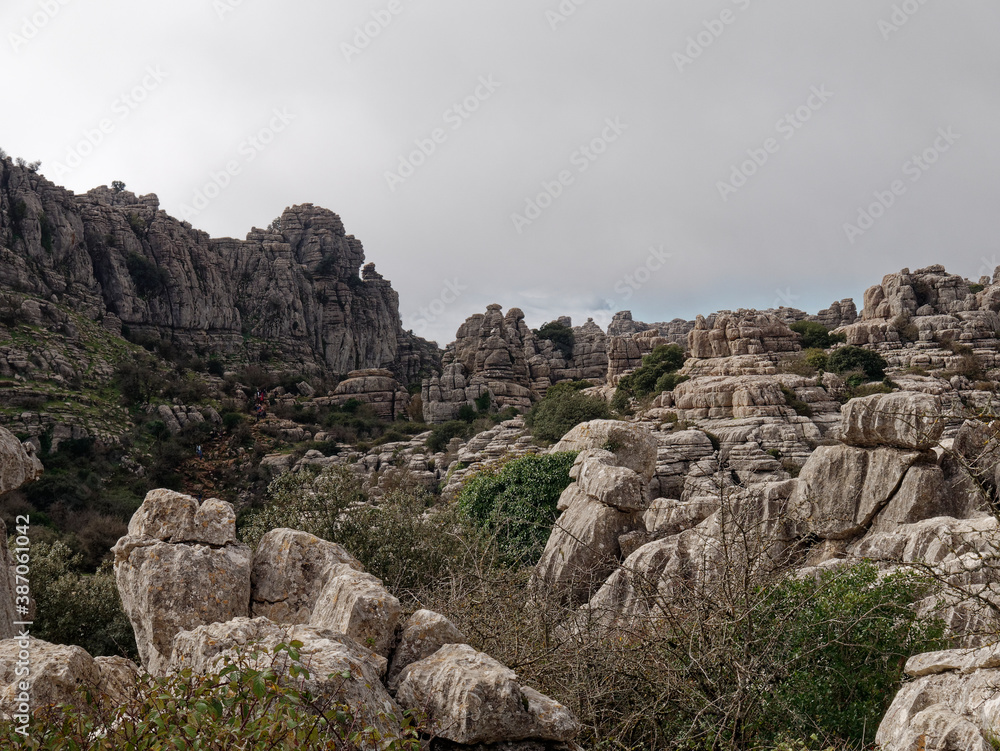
column 292, row 292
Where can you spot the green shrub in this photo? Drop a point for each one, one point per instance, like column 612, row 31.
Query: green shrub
column 515, row 503
column 816, row 358
column 642, row 381
column 442, row 434
column 257, row 700
column 815, row 335
column 801, row 408
column 77, row 608
column 401, row 539
column 467, row 413
column 561, row 336
column 149, row 279
column 846, row 359
column 563, row 408
column 669, row 381
column 976, row 288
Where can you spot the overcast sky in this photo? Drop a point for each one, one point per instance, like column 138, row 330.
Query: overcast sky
column 569, row 158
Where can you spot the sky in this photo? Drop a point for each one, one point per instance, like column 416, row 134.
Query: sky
column 568, row 157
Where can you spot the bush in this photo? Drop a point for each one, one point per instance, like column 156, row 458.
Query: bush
column 256, row 701
column 401, row 539
column 816, row 358
column 515, row 503
column 442, row 434
column 563, row 408
column 849, row 358
column 815, row 335
column 642, row 381
column 792, row 400
column 561, row 336
column 149, row 279
column 669, row 381
column 75, row 608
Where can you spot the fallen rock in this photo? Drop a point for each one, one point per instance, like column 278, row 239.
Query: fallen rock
column 57, row 671
column 290, row 569
column 633, row 446
column 423, row 634
column 471, row 698
column 356, row 604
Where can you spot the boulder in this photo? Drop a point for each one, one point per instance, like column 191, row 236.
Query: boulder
column 57, row 671
column 471, row 698
column 356, row 604
column 901, row 420
column 289, row 571
column 118, row 678
column 180, row 567
column 423, row 634
column 327, row 655
column 633, row 446
column 618, row 487
column 18, row 463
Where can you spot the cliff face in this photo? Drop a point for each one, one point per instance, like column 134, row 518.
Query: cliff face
column 293, row 290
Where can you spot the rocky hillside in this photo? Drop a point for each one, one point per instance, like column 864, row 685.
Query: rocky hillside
column 291, row 293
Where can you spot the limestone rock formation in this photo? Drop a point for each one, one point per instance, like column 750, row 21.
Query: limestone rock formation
column 952, row 705
column 295, row 287
column 170, row 538
column 745, row 332
column 377, row 387
column 18, row 465
column 471, row 698
column 901, row 420
column 632, row 446
column 56, row 672
column 356, row 604
column 423, row 634
column 289, row 571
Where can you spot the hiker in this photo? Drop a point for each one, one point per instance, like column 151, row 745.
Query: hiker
column 198, row 451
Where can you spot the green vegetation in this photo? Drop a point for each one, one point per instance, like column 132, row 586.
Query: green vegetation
column 258, row 700
column 563, row 408
column 643, row 381
column 816, row 335
column 560, row 335
column 515, row 503
column 149, row 279
column 857, row 363
column 801, row 408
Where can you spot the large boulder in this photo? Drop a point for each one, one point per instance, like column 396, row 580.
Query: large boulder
column 633, row 447
column 471, row 698
column 355, row 603
column 180, row 567
column 18, row 465
column 56, row 673
column 339, row 668
column 902, row 420
column 290, row 569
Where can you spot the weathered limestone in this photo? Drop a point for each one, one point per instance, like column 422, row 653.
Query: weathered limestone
column 423, row 634
column 745, row 332
column 18, row 466
column 377, row 387
column 290, row 569
column 356, row 604
column 171, row 537
column 633, row 447
column 57, row 671
column 471, row 698
column 900, row 420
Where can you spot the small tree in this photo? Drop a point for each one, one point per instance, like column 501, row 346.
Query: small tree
column 118, row 186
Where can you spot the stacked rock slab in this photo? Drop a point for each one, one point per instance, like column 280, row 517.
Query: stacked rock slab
column 179, row 567
column 745, row 332
column 18, row 466
column 606, row 501
column 377, row 387
column 951, row 705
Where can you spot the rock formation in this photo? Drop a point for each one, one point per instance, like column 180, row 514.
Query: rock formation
column 294, row 288
column 18, row 466
column 377, row 387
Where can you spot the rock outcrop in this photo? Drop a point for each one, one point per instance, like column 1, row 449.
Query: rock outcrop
column 745, row 332
column 18, row 466
column 294, row 289
column 376, row 387
column 170, row 538
column 56, row 672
